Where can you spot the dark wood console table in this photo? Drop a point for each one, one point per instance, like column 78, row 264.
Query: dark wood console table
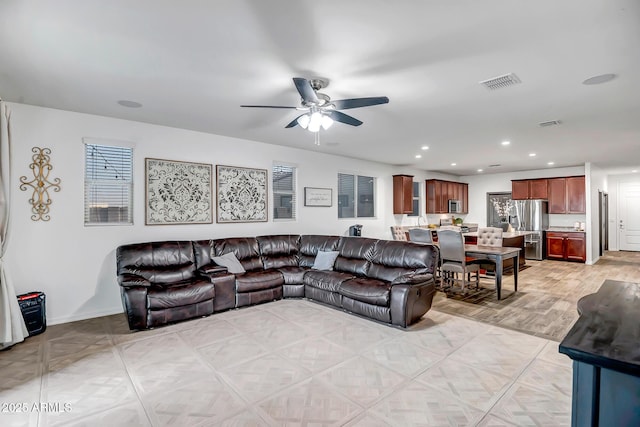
column 605, row 347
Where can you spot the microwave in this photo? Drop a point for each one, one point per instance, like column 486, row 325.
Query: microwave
column 455, row 206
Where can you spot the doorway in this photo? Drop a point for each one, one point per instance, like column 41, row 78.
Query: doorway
column 603, row 215
column 629, row 217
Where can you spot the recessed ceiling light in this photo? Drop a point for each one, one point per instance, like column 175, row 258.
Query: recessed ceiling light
column 418, row 156
column 129, row 104
column 453, row 164
column 532, row 154
column 506, row 142
column 597, row 80
column 550, row 163
column 424, row 147
column 635, row 171
column 479, row 170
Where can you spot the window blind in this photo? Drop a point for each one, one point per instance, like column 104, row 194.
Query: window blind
column 346, row 196
column 108, row 189
column 284, row 191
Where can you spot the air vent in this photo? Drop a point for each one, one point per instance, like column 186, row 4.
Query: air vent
column 501, row 81
column 549, row 123
column 495, row 166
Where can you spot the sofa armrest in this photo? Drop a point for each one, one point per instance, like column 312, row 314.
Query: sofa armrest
column 130, row 280
column 412, row 279
column 211, row 269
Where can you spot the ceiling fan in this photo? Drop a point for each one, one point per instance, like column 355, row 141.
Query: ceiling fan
column 320, row 110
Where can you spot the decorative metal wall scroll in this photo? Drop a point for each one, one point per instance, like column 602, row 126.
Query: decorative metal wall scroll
column 242, row 194
column 40, row 199
column 178, row 192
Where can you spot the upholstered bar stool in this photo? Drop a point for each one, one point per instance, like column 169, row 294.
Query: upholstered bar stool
column 398, row 233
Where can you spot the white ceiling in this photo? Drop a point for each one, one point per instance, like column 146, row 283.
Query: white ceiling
column 191, row 63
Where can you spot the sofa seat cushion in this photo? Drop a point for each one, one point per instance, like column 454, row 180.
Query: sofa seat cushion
column 187, row 293
column 260, row 280
column 293, row 275
column 370, row 291
column 326, row 280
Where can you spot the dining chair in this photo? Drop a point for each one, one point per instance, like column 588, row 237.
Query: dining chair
column 420, row 235
column 488, row 236
column 454, row 261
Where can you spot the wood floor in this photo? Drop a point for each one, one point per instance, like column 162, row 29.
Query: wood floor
column 545, row 304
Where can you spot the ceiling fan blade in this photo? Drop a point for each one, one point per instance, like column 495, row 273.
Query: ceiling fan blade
column 267, row 106
column 306, row 91
column 343, row 118
column 345, row 104
column 294, row 122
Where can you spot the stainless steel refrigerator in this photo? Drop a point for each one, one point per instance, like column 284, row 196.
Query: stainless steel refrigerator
column 531, row 215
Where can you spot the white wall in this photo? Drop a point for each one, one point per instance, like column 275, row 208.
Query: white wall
column 75, row 265
column 596, row 180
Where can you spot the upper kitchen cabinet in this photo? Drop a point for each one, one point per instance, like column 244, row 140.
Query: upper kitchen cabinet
column 402, row 194
column 576, row 195
column 567, row 195
column 525, row 189
column 440, row 192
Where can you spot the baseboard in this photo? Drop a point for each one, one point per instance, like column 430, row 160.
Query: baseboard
column 84, row 316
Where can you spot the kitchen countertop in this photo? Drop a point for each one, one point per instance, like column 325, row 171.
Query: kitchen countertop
column 565, row 229
column 505, row 234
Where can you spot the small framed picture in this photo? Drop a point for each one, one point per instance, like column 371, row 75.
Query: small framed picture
column 318, row 196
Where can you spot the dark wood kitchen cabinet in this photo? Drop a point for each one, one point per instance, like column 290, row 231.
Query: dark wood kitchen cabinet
column 567, row 195
column 439, row 193
column 402, row 194
column 566, row 246
column 557, row 195
column 525, row 189
column 576, row 195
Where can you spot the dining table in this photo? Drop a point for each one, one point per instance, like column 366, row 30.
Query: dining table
column 496, row 254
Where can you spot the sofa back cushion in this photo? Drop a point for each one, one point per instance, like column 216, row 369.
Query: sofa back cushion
column 158, row 262
column 354, row 255
column 202, row 251
column 279, row 251
column 391, row 258
column 310, row 245
column 246, row 249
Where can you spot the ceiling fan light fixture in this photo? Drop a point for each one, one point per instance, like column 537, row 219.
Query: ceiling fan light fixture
column 326, row 122
column 303, row 121
column 315, row 122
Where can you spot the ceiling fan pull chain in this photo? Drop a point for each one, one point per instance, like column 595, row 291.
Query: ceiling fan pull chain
column 317, row 137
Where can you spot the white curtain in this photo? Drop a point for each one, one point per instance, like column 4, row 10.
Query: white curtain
column 12, row 327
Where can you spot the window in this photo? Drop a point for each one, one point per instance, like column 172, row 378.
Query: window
column 356, row 196
column 415, row 200
column 108, row 185
column 284, row 192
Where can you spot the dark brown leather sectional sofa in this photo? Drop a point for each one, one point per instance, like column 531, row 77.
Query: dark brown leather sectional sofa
column 164, row 282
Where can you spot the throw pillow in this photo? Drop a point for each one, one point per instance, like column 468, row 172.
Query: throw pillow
column 230, row 261
column 325, row 260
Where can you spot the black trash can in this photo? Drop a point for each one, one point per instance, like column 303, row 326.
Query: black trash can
column 32, row 305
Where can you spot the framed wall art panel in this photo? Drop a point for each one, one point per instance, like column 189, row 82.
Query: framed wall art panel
column 241, row 194
column 178, row 192
column 317, row 196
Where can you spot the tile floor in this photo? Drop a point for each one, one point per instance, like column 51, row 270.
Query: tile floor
column 290, row 362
